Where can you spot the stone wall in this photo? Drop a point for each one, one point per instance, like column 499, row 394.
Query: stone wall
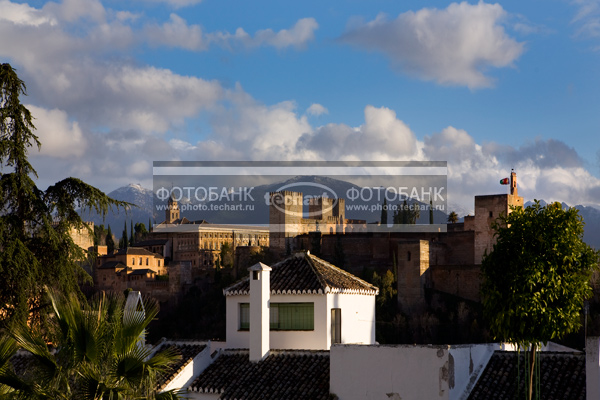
column 460, row 280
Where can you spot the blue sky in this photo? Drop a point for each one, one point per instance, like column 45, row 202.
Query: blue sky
column 485, row 86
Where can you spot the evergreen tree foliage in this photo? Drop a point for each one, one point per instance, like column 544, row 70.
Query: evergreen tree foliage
column 124, row 242
column 537, row 276
column 384, row 213
column 100, row 235
column 110, row 241
column 132, row 238
column 406, row 213
column 140, row 232
column 35, row 243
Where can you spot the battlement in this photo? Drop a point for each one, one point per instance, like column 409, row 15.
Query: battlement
column 286, row 193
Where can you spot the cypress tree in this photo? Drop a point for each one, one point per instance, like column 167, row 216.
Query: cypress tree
column 132, row 238
column 124, row 242
column 110, row 242
column 36, row 246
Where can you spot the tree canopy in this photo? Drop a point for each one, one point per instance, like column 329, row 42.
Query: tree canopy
column 537, row 276
column 35, row 243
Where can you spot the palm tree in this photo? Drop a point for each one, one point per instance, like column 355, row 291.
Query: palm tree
column 452, row 217
column 97, row 353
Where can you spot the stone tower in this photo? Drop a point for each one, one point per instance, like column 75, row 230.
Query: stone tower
column 487, row 210
column 285, row 218
column 172, row 212
column 413, row 274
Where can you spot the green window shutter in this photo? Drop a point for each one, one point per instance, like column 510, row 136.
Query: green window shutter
column 292, row 316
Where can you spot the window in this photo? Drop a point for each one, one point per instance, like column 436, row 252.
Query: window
column 133, row 261
column 244, row 316
column 292, row 316
column 283, row 317
column 146, row 260
column 336, row 325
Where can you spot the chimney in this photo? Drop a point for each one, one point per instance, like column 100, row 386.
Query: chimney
column 592, row 368
column 260, row 290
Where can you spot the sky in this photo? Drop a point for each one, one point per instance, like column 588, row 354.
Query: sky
column 487, row 87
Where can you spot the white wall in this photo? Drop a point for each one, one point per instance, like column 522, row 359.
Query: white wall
column 358, row 317
column 405, row 371
column 358, row 321
column 192, row 370
column 592, row 367
column 309, row 340
column 469, row 362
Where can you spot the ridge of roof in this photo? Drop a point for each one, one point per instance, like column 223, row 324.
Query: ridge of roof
column 304, row 273
column 312, row 259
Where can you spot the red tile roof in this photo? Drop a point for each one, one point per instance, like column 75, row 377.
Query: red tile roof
column 562, row 377
column 290, row 375
column 187, row 352
column 305, row 273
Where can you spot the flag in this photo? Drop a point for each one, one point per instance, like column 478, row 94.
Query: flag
column 504, row 181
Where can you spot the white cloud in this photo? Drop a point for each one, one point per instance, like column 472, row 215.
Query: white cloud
column 382, row 137
column 60, row 137
column 175, row 3
column 23, row 14
column 453, row 46
column 587, row 18
column 177, row 33
column 297, row 36
column 74, row 10
column 316, row 109
column 252, row 130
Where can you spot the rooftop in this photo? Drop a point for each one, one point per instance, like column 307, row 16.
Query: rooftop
column 305, row 273
column 562, row 376
column 291, row 375
column 187, row 352
column 136, row 251
column 152, row 242
column 112, row 265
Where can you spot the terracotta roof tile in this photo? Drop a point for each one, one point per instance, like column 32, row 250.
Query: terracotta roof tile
column 187, row 352
column 291, row 375
column 306, row 273
column 562, row 377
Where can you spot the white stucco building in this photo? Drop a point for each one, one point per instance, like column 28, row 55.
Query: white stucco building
column 311, row 305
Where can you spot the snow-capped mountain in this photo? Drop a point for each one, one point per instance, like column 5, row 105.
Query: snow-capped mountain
column 134, row 194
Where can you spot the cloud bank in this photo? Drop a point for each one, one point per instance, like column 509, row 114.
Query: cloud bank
column 453, row 46
column 104, row 117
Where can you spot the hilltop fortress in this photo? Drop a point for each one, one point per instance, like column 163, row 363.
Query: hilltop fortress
column 442, row 261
